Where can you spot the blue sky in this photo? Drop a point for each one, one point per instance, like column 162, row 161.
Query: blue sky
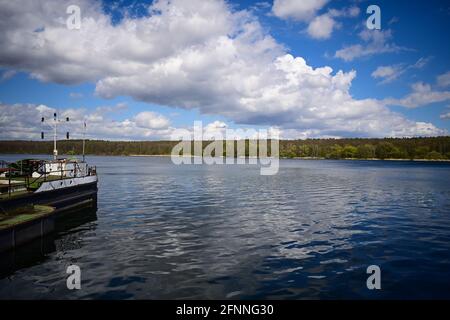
column 400, row 85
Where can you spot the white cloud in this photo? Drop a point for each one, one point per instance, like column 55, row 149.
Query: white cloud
column 390, row 73
column 262, row 5
column 421, row 95
column 151, row 120
column 443, row 80
column 321, row 27
column 8, row 74
column 195, row 54
column 387, row 73
column 374, row 42
column 445, row 116
column 353, row 11
column 23, row 121
column 303, row 10
column 422, row 62
column 345, row 12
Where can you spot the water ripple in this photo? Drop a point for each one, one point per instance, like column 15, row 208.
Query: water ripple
column 165, row 231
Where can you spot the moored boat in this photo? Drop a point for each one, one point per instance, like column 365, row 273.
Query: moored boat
column 29, row 186
column 58, row 183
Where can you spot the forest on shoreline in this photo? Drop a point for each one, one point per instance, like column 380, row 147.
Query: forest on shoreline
column 431, row 148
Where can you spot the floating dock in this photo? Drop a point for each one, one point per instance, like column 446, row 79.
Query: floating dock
column 25, row 224
column 29, row 223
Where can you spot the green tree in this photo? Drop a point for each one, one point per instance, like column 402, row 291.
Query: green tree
column 384, row 150
column 434, row 155
column 349, row 151
column 421, row 152
column 335, row 152
column 304, row 151
column 366, row 151
column 398, row 153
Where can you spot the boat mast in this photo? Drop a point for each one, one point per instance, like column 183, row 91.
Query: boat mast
column 84, row 137
column 55, row 151
column 55, row 133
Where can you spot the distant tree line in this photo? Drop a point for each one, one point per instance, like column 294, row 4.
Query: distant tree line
column 433, row 148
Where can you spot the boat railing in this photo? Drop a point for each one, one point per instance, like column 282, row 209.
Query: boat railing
column 29, row 182
column 12, row 184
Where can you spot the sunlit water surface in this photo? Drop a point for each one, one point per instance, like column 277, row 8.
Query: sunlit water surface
column 163, row 231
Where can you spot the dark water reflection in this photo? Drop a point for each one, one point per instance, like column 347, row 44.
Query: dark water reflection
column 73, row 223
column 166, row 231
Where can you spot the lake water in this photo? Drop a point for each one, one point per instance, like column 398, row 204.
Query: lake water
column 163, row 231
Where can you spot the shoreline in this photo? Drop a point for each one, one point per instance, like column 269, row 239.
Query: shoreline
column 283, row 158
column 372, row 159
column 308, row 158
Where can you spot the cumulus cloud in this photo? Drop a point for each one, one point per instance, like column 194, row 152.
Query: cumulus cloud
column 23, row 121
column 198, row 54
column 151, row 120
column 422, row 94
column 303, row 10
column 374, row 42
column 321, row 27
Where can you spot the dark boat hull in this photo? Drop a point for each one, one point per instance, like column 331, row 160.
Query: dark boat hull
column 63, row 200
column 59, row 198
